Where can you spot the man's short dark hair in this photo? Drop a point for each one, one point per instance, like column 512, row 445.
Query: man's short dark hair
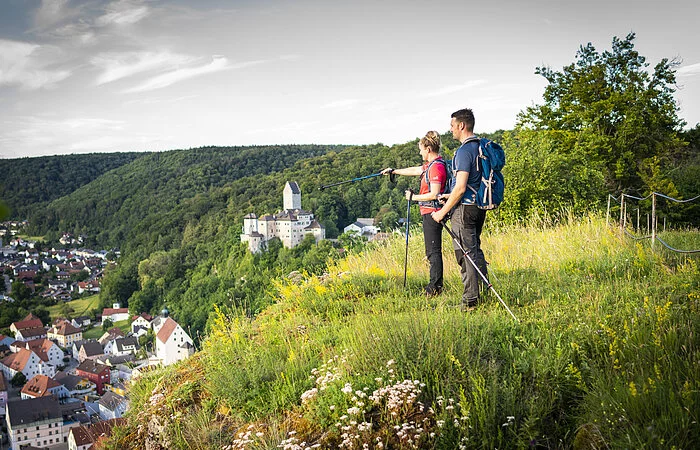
column 466, row 116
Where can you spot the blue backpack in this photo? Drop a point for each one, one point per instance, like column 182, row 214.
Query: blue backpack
column 491, row 160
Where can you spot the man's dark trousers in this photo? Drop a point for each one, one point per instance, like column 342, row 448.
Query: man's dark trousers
column 467, row 223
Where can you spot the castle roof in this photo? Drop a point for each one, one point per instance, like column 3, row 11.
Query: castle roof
column 294, row 186
column 315, row 225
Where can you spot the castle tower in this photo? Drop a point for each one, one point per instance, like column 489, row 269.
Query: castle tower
column 292, row 196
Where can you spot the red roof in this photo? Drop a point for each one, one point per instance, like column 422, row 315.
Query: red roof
column 40, row 347
column 31, row 321
column 166, row 330
column 110, row 311
column 146, row 316
column 17, row 361
column 65, row 329
column 90, row 434
column 39, row 386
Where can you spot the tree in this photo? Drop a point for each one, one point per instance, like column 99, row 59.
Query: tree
column 609, row 99
column 107, row 324
column 20, row 291
column 18, row 380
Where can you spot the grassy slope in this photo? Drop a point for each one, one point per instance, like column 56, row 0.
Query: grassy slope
column 606, row 354
column 80, row 307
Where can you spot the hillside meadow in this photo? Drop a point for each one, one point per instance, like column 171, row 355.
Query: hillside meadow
column 605, row 354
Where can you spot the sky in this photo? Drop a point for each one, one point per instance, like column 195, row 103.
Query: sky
column 84, row 76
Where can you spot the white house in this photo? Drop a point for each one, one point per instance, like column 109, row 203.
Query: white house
column 43, row 386
column 112, row 406
column 45, row 349
column 115, row 314
column 124, row 346
column 142, row 321
column 363, row 227
column 36, row 422
column 290, row 225
column 173, row 344
column 27, row 362
column 65, row 333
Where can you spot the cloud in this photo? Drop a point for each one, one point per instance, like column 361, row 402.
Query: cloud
column 342, row 104
column 452, row 89
column 689, row 71
column 218, row 64
column 123, row 12
column 51, row 12
column 116, row 66
column 27, row 65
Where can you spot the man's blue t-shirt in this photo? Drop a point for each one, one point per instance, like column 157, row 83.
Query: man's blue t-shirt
column 466, row 160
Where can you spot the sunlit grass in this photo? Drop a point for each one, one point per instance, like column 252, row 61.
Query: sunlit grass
column 78, row 307
column 605, row 354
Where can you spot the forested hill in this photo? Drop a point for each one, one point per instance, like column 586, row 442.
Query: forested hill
column 112, row 207
column 28, row 184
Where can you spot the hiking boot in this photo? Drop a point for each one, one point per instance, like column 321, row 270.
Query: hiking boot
column 431, row 291
column 470, row 304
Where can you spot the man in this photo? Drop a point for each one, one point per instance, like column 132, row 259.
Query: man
column 467, row 219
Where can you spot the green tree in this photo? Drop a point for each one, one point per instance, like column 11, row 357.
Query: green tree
column 18, row 380
column 549, row 170
column 43, row 314
column 20, row 291
column 626, row 113
column 107, row 324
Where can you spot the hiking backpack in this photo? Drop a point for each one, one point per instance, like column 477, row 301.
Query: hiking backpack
column 445, row 189
column 491, row 160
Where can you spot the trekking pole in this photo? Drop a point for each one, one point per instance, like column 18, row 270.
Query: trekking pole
column 408, row 221
column 392, row 178
column 486, row 280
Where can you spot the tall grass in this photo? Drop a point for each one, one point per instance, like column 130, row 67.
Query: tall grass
column 605, row 355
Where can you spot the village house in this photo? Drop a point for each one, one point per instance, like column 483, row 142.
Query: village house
column 81, row 322
column 27, row 362
column 45, row 349
column 96, row 373
column 85, row 436
column 28, row 334
column 3, row 394
column 173, row 344
column 141, row 322
column 125, row 346
column 89, row 286
column 111, row 335
column 290, row 225
column 89, row 350
column 76, row 386
column 36, row 422
column 43, row 386
column 115, row 314
column 6, row 340
column 112, row 405
column 65, row 334
column 364, row 227
column 28, row 328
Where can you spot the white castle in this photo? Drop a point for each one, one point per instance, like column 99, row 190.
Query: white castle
column 289, row 225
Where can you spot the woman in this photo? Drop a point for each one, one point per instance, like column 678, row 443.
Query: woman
column 433, row 178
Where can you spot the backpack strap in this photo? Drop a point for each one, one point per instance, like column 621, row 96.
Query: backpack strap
column 474, row 138
column 426, row 172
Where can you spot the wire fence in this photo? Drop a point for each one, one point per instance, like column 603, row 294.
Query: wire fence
column 652, row 219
